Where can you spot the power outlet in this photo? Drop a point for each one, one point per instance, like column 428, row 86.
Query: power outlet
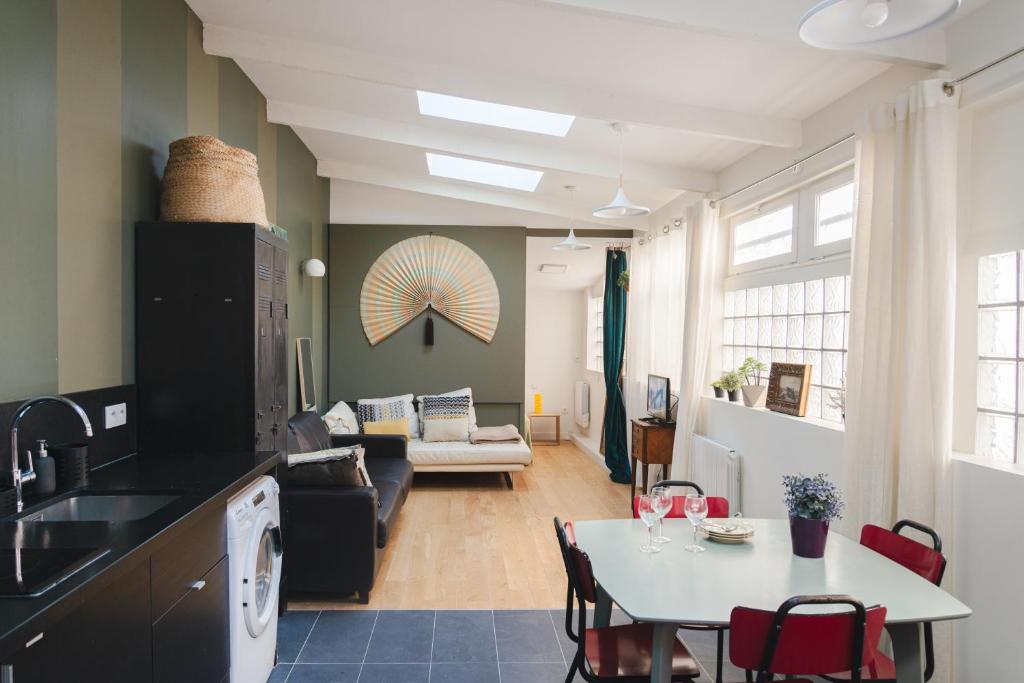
column 116, row 416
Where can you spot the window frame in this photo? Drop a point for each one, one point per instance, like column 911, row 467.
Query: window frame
column 595, row 324
column 804, row 199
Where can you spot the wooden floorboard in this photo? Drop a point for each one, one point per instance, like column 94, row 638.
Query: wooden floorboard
column 465, row 541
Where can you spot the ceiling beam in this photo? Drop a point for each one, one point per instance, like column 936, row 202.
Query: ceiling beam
column 776, row 21
column 466, row 192
column 426, row 137
column 465, row 81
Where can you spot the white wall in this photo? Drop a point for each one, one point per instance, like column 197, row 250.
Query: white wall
column 553, row 361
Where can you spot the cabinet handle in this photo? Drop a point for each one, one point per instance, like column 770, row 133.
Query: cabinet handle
column 7, row 673
column 197, row 585
column 34, row 640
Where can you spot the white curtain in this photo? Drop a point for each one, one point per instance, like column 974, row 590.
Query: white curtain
column 702, row 293
column 899, row 415
column 655, row 326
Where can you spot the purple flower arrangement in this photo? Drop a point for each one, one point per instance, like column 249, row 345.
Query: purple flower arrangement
column 812, row 497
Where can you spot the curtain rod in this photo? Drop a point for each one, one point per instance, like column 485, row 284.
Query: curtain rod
column 949, row 87
column 787, row 169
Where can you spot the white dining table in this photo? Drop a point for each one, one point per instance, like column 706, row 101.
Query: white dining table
column 674, row 586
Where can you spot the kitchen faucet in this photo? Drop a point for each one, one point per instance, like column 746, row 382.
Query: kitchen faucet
column 18, row 477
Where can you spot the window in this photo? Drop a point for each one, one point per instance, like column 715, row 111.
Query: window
column 499, row 175
column 813, row 222
column 491, row 114
column 999, row 432
column 799, row 322
column 595, row 333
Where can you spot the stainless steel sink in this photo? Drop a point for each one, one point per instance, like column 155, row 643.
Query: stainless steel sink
column 115, row 507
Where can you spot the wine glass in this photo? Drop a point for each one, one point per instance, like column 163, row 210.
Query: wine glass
column 696, row 508
column 662, row 496
column 648, row 515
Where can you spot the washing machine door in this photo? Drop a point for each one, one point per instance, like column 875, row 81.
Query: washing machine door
column 262, row 574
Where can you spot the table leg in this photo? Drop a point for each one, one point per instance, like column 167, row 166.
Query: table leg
column 645, row 477
column 906, row 649
column 661, row 652
column 632, row 481
column 602, row 608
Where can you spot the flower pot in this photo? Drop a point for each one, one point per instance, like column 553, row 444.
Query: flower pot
column 719, row 392
column 809, row 536
column 734, row 395
column 754, row 395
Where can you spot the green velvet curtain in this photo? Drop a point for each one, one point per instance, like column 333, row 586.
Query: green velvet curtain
column 616, row 457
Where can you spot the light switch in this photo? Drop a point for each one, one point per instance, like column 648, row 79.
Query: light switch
column 116, row 415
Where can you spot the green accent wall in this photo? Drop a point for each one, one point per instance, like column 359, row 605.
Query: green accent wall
column 93, row 93
column 28, row 196
column 401, row 364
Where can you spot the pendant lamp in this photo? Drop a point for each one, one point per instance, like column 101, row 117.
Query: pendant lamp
column 571, row 243
column 621, row 206
column 842, row 24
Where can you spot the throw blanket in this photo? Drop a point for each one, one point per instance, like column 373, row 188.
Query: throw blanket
column 322, row 456
column 503, row 434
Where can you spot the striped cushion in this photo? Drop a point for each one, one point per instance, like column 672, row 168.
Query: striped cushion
column 446, row 407
column 379, row 412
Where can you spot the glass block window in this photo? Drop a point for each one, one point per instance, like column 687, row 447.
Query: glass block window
column 801, row 322
column 595, row 333
column 999, row 434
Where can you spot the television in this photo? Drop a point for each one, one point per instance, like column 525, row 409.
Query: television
column 658, row 397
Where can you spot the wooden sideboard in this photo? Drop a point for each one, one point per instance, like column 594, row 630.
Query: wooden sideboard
column 652, row 445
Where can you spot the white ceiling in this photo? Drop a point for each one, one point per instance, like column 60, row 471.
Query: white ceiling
column 701, row 83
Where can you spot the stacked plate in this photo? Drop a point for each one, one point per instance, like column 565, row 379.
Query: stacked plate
column 726, row 531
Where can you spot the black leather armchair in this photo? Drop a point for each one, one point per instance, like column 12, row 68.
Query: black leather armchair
column 335, row 535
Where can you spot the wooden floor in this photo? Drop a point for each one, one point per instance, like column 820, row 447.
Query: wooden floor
column 465, row 541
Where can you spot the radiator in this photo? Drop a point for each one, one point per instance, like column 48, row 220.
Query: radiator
column 717, row 469
column 581, row 404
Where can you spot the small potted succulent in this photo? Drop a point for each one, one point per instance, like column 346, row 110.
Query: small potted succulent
column 813, row 503
column 717, row 386
column 754, row 393
column 731, row 382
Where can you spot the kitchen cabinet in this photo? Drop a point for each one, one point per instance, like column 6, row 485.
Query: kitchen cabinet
column 211, row 337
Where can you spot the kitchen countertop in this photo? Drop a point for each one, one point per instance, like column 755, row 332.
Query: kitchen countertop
column 202, row 482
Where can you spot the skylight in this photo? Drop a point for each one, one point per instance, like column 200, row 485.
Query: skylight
column 500, row 175
column 490, row 114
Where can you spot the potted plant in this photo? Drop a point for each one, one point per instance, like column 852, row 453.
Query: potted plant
column 623, row 280
column 731, row 382
column 813, row 503
column 717, row 386
column 753, row 392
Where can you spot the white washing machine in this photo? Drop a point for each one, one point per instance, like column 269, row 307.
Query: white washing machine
column 254, row 565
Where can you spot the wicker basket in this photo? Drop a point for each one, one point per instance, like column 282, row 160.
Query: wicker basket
column 208, row 180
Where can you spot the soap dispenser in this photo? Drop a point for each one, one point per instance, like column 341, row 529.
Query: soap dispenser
column 46, row 472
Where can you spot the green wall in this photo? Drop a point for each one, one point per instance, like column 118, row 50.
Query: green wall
column 93, row 92
column 401, row 364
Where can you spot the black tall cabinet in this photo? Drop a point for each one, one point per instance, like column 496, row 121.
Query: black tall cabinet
column 211, row 337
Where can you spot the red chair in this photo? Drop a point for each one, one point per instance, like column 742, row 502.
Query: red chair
column 717, row 507
column 780, row 643
column 619, row 653
column 927, row 562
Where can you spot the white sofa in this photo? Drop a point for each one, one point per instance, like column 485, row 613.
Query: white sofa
column 461, row 456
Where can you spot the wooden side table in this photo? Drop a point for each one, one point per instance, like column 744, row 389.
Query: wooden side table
column 558, row 427
column 652, row 445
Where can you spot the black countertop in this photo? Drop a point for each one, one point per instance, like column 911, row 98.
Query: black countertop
column 202, row 482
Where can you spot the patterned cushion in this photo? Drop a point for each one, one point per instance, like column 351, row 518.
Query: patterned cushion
column 380, row 412
column 446, row 407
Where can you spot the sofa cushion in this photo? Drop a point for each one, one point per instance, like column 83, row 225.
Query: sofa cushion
column 307, row 433
column 394, row 470
column 390, row 499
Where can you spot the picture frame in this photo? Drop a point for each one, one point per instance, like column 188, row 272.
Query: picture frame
column 788, row 387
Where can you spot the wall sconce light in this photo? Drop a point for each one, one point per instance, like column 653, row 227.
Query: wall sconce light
column 314, row 267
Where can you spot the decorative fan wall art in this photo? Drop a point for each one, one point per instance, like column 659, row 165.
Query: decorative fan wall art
column 429, row 271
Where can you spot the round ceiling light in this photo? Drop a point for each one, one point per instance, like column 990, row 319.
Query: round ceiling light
column 841, row 24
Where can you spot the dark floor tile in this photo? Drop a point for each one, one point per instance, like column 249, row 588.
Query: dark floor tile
column 280, row 673
column 402, row 636
column 324, row 673
column 339, row 637
column 533, row 673
column 526, row 636
column 292, row 630
column 464, row 636
column 395, row 673
column 464, row 672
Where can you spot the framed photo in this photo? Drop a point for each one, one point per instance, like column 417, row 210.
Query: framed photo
column 788, row 386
